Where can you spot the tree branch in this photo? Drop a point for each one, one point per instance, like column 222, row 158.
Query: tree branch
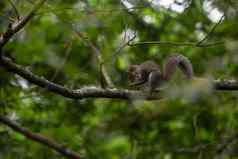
column 14, row 9
column 68, row 48
column 18, row 25
column 210, row 31
column 106, row 80
column 127, row 43
column 62, row 149
column 172, row 43
column 219, row 146
column 225, row 85
column 86, row 92
column 94, row 92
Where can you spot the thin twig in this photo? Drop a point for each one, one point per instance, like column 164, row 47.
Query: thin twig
column 211, row 31
column 192, row 44
column 219, row 145
column 118, row 50
column 68, row 48
column 176, row 44
column 5, row 16
column 60, row 148
column 15, row 9
column 106, row 80
column 93, row 11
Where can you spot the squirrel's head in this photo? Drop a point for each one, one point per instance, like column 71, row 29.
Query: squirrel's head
column 139, row 74
column 134, row 74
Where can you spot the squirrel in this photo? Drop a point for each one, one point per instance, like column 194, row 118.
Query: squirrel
column 150, row 73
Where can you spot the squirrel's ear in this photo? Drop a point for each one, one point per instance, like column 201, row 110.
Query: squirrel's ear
column 132, row 67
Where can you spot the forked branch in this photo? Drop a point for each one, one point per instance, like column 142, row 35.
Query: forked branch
column 19, row 24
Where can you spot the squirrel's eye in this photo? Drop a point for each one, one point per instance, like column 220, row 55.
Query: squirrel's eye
column 138, row 75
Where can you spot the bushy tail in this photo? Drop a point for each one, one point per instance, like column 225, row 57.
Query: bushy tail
column 177, row 60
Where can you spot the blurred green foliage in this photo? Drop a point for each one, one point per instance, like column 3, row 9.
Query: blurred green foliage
column 110, row 128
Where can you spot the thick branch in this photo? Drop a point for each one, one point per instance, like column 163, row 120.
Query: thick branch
column 225, row 85
column 14, row 28
column 62, row 149
column 93, row 92
column 86, row 92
